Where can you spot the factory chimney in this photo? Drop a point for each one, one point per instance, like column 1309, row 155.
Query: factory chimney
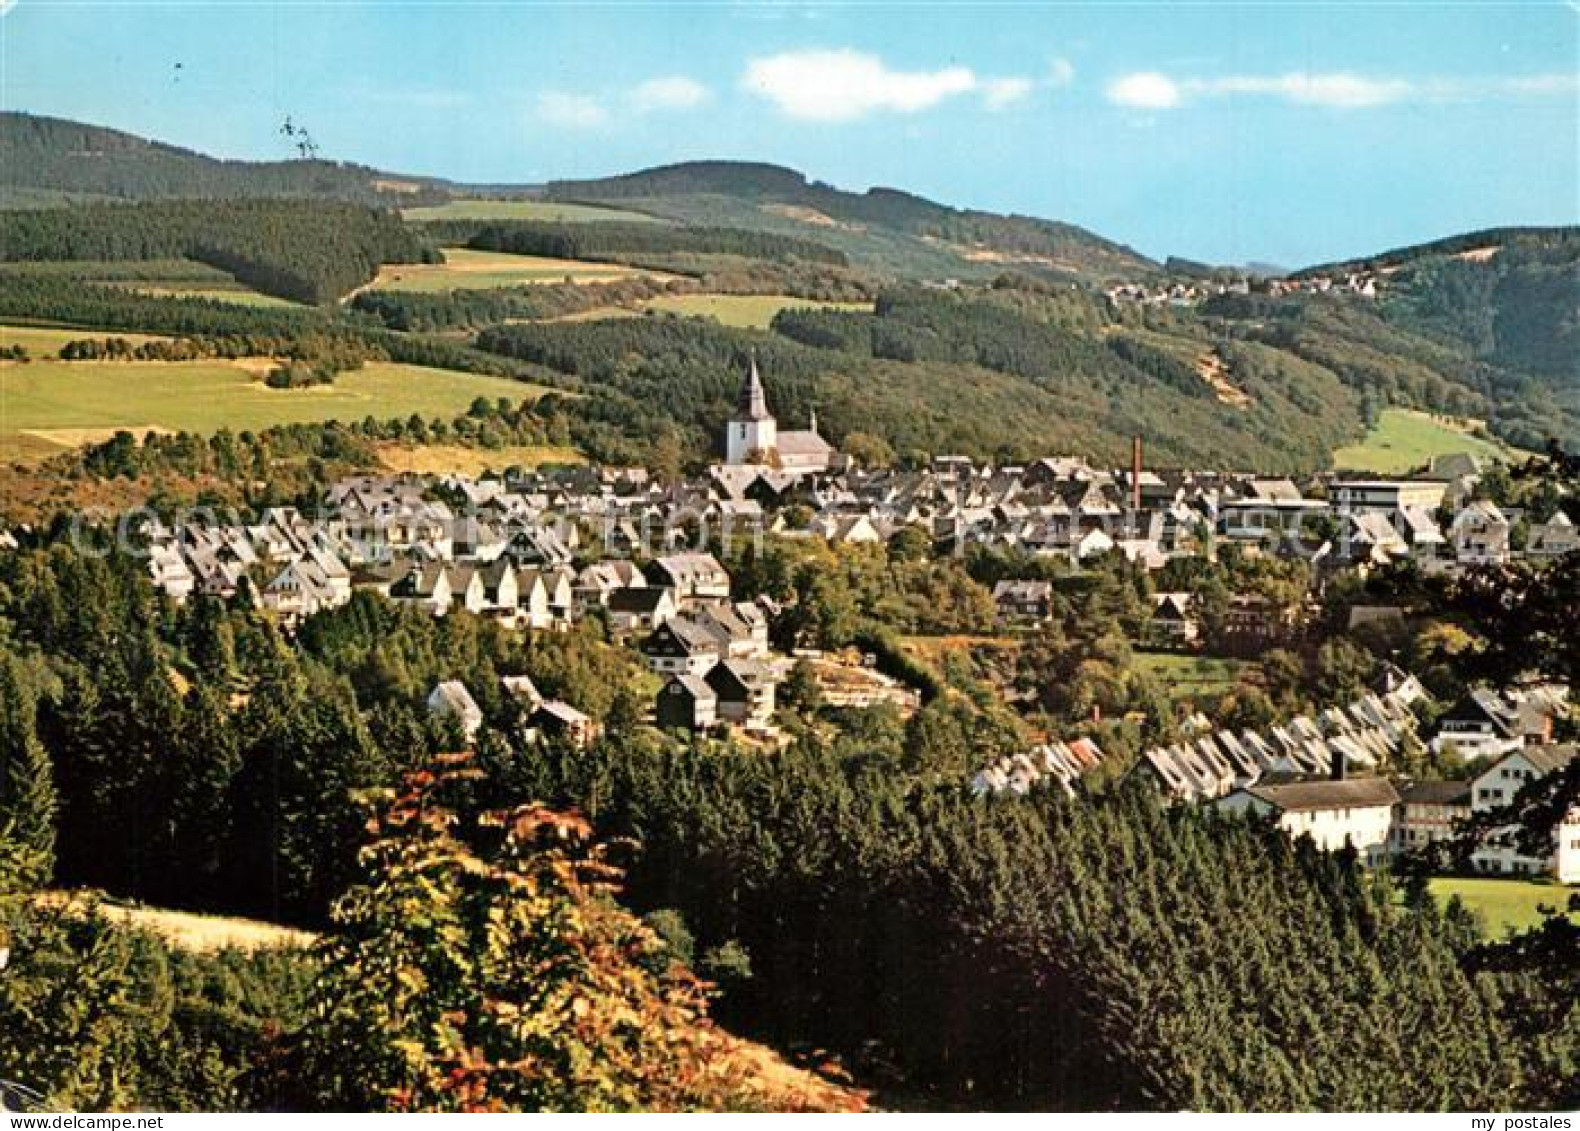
column 1135, row 474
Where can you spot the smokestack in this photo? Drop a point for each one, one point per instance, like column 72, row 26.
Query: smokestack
column 1135, row 474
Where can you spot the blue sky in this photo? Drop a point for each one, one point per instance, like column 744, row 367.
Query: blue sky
column 1286, row 133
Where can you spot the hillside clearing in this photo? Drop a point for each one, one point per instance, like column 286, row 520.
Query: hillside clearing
column 1190, row 677
column 466, row 269
column 544, row 210
column 454, row 459
column 1405, row 439
column 742, row 311
column 204, row 933
column 50, row 405
column 1504, row 905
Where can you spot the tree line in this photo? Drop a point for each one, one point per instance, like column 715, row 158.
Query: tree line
column 311, row 252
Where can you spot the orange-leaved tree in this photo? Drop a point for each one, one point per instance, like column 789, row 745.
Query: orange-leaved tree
column 496, row 972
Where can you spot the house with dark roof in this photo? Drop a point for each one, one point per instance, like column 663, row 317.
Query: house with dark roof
column 1355, row 811
column 1428, row 812
column 683, row 646
column 745, row 690
column 641, row 608
column 686, row 702
column 1480, row 724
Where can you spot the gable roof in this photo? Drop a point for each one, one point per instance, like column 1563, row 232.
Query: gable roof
column 1307, row 796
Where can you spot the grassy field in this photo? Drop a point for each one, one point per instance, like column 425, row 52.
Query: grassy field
column 50, row 405
column 453, row 459
column 46, row 341
column 238, row 295
column 751, row 311
column 1404, row 439
column 1504, row 904
column 1190, row 676
column 522, row 210
column 466, row 269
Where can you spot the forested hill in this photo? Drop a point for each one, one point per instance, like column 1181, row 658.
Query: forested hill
column 881, row 228
column 46, row 161
column 1506, row 301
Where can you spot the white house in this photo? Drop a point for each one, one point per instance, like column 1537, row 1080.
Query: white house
column 1497, row 786
column 1354, row 811
column 451, row 700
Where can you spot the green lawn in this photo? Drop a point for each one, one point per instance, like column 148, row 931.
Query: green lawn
column 1404, row 439
column 1188, row 676
column 465, row 269
column 742, row 310
column 522, row 210
column 1504, row 904
column 49, row 405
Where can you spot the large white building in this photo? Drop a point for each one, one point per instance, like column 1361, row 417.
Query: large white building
column 1355, row 811
column 1497, row 786
column 752, row 435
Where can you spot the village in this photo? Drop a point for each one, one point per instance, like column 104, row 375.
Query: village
column 541, row 550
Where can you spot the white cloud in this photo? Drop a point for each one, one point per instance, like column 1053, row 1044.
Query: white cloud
column 1144, row 90
column 1061, row 72
column 1000, row 93
column 669, row 92
column 1558, row 83
column 1340, row 90
column 843, row 85
column 1337, row 90
column 571, row 111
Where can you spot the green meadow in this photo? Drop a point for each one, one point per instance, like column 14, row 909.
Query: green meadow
column 1504, row 905
column 742, row 311
column 46, row 406
column 466, row 269
column 1403, row 439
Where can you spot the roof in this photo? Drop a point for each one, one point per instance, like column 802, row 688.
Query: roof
column 694, row 685
column 753, row 402
column 1551, row 758
column 1306, row 796
column 802, row 444
column 562, row 712
column 639, row 598
column 1435, row 792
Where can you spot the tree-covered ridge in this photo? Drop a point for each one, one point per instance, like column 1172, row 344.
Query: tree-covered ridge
column 311, row 252
column 1455, row 336
column 626, row 242
column 900, row 374
column 51, row 160
column 746, row 193
column 1476, row 242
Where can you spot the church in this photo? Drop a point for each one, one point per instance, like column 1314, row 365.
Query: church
column 752, row 436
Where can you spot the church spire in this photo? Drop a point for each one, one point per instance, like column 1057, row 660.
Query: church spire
column 812, row 420
column 753, row 402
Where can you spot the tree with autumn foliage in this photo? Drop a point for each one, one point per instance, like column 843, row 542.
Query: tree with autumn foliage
column 495, row 972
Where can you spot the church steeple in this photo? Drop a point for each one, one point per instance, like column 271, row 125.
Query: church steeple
column 812, row 421
column 753, row 403
column 752, row 435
